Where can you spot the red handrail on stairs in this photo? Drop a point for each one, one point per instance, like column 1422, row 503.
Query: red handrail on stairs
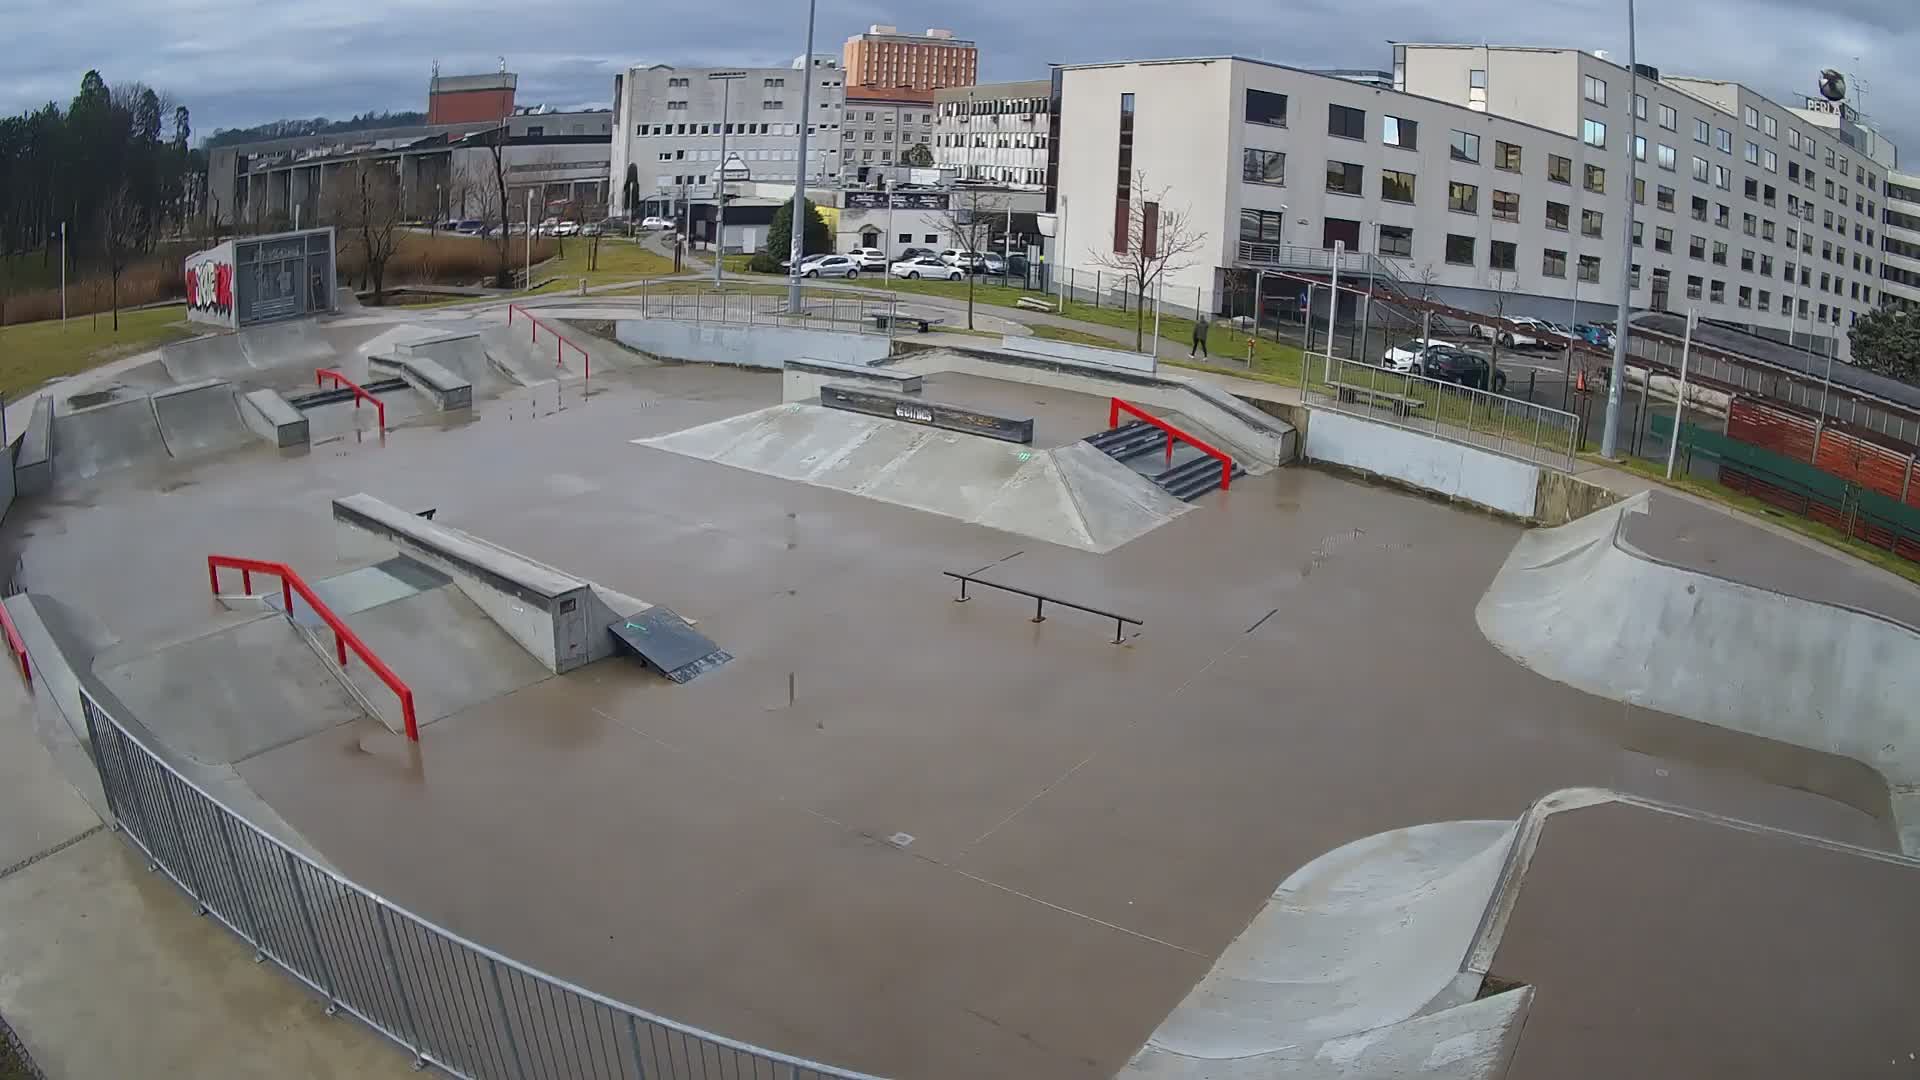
column 321, row 375
column 343, row 636
column 1226, row 463
column 15, row 645
column 560, row 341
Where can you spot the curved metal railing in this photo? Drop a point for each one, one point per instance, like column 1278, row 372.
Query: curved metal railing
column 452, row 1003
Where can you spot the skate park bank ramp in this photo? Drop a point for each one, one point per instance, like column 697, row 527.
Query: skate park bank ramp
column 1071, row 495
column 206, row 417
column 1643, row 603
column 297, row 344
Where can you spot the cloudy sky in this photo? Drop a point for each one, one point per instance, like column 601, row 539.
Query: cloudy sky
column 236, row 63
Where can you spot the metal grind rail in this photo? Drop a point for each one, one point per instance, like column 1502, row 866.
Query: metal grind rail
column 360, row 393
column 560, row 341
column 343, row 636
column 1040, row 602
column 450, row 1002
column 1116, row 407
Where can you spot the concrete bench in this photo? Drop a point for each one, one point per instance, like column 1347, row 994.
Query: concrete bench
column 1034, row 303
column 448, row 390
column 1401, row 404
column 924, row 322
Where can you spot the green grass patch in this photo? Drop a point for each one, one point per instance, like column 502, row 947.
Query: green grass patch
column 1078, row 337
column 33, row 353
column 619, row 259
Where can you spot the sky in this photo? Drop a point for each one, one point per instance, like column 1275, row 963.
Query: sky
column 235, row 63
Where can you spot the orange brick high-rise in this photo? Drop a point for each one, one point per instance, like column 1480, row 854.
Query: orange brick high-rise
column 884, row 57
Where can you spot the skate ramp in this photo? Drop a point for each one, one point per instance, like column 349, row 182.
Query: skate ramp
column 201, row 418
column 214, row 356
column 1582, row 606
column 1073, row 496
column 451, row 654
column 104, row 438
column 1363, row 937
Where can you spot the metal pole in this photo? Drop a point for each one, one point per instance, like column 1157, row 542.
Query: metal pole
column 1680, row 406
column 63, row 273
column 1306, row 321
column 1833, row 346
column 1158, row 292
column 1259, row 279
column 529, row 284
column 796, row 248
column 1367, row 299
column 892, row 300
column 1333, row 303
column 720, row 178
column 1609, row 442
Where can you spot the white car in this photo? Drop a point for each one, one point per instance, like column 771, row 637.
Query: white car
column 657, row 223
column 926, row 267
column 567, row 228
column 1522, row 334
column 831, row 266
column 965, row 260
column 1402, row 356
column 869, row 258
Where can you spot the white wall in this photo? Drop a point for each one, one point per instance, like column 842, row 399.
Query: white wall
column 1422, row 461
column 747, row 346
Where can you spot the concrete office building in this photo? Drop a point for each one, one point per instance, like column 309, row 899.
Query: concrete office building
column 886, row 58
column 996, row 132
column 668, row 125
column 879, row 127
column 1900, row 278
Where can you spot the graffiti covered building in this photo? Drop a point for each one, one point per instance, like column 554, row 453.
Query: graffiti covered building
column 261, row 279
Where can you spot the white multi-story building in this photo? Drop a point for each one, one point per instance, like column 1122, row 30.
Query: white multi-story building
column 1900, row 277
column 1494, row 180
column 996, row 132
column 668, row 124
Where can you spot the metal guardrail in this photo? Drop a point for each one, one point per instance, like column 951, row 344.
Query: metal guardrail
column 452, row 1003
column 560, row 341
column 1518, row 429
column 360, row 393
column 1300, row 257
column 1040, row 602
column 867, row 315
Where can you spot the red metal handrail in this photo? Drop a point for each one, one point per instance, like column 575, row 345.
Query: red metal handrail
column 16, row 645
column 343, row 635
column 560, row 341
column 1226, row 463
column 320, row 377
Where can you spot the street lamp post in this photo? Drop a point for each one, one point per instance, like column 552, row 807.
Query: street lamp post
column 725, row 79
column 797, row 246
column 1609, row 439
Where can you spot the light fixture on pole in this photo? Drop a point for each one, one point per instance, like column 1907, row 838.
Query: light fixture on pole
column 726, row 80
column 796, row 246
column 1609, row 442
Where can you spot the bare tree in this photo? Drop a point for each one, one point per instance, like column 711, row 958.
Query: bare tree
column 492, row 192
column 1158, row 240
column 124, row 227
column 972, row 217
column 367, row 206
column 1502, row 284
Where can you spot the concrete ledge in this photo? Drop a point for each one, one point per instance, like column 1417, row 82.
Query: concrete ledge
column 448, row 391
column 273, row 418
column 806, row 375
column 1561, row 498
column 1453, row 470
column 1085, row 356
column 33, row 461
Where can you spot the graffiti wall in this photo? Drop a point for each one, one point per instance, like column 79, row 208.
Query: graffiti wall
column 210, row 286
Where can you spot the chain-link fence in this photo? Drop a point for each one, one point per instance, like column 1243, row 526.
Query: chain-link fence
column 452, row 1003
column 1446, row 410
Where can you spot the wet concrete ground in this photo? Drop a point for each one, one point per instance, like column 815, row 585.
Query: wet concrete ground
column 971, row 845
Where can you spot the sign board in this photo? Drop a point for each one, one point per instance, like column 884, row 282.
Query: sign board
column 902, row 200
column 914, row 410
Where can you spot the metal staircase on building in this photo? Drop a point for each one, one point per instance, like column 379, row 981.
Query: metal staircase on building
column 1142, row 447
column 1385, row 276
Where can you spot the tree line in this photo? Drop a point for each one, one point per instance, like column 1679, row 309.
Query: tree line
column 319, row 125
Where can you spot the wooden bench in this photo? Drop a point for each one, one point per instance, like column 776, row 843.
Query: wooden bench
column 1401, row 404
column 1034, row 303
column 924, row 322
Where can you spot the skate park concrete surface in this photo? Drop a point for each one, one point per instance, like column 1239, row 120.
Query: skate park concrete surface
column 929, row 839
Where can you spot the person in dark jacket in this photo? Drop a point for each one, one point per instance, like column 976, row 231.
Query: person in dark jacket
column 1199, row 338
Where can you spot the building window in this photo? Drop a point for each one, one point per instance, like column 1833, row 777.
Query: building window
column 1752, row 117
column 1465, row 147
column 1559, row 169
column 1590, row 222
column 1663, row 199
column 1701, row 170
column 1702, row 131
column 1766, row 230
column 1553, row 263
column 1596, row 179
column 1593, row 133
column 1263, row 167
column 1793, row 171
column 1746, row 260
column 1344, row 177
column 1722, row 215
column 1396, row 186
column 1665, row 157
column 1459, row 249
column 1396, row 240
column 1640, row 106
column 1261, row 226
column 1395, row 131
column 1750, row 224
column 1766, row 298
column 1752, row 153
column 1668, row 118
column 1719, row 253
column 1506, row 206
column 1752, row 188
column 1717, row 292
column 1663, row 240
column 1723, row 140
column 1346, row 123
column 1477, row 89
column 1463, row 198
column 1502, row 255
column 1557, row 216
column 1506, row 156
column 1123, row 187
column 1770, row 161
column 1699, row 209
column 1639, row 233
column 1266, row 108
column 1697, row 247
column 1722, row 178
column 1590, row 268
column 1639, row 148
column 1695, row 286
column 1639, row 191
column 1596, row 90
column 1773, row 132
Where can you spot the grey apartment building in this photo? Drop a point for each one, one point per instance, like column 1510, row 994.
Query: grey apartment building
column 994, row 132
column 880, row 126
column 1493, row 176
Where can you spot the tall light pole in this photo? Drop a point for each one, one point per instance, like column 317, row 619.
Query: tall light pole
column 797, row 247
column 529, row 284
column 725, row 79
column 1609, row 440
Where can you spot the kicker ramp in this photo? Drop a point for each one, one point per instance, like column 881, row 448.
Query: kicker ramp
column 1583, row 607
column 201, row 418
column 560, row 619
column 88, row 442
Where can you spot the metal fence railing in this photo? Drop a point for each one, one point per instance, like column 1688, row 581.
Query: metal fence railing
column 865, row 314
column 1504, row 425
column 452, row 1003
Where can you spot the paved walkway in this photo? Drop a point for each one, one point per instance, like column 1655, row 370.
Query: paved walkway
column 105, row 970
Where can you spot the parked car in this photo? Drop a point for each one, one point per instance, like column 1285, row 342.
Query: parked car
column 869, row 258
column 831, row 266
column 1594, row 335
column 1403, row 356
column 566, row 228
column 1447, row 363
column 913, row 253
column 965, row 260
column 805, row 261
column 926, row 266
column 593, row 228
column 656, row 222
column 994, row 264
column 1523, row 333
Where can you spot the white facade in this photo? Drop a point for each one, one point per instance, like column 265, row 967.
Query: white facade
column 995, row 132
column 1901, row 254
column 668, row 126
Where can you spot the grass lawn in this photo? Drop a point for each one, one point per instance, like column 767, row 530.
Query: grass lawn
column 1078, row 337
column 619, row 260
column 1709, row 489
column 32, row 353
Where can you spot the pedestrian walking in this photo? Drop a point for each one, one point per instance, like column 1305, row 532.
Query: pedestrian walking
column 1199, row 337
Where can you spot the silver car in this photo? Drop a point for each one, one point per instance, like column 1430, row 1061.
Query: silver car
column 832, row 266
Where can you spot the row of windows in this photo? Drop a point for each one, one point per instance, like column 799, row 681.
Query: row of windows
column 716, row 129
column 1035, row 141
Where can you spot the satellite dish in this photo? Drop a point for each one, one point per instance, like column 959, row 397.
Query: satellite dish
column 1833, row 85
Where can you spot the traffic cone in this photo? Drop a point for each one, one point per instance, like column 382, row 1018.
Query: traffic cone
column 1580, row 382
